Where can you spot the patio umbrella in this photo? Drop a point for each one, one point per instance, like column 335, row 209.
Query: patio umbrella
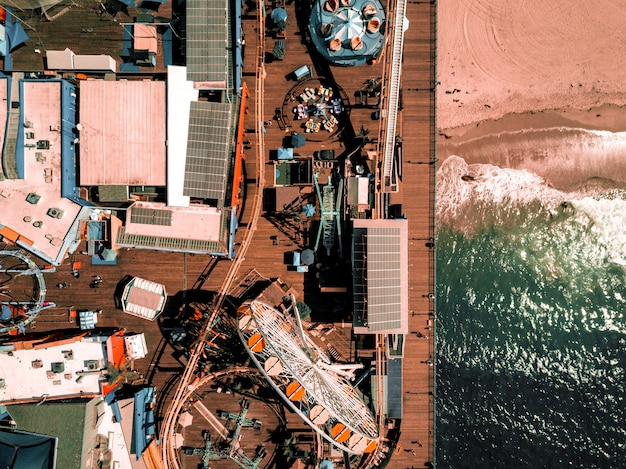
column 307, row 257
column 308, row 210
column 278, row 15
column 185, row 419
column 297, row 140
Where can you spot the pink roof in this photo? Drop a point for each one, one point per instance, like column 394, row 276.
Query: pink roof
column 145, row 37
column 122, row 136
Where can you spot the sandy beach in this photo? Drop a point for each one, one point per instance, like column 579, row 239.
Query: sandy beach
column 498, row 57
column 537, row 85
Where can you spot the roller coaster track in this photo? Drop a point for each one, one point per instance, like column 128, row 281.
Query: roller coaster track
column 390, row 96
column 168, row 430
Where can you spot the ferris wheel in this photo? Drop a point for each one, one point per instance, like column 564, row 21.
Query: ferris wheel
column 22, row 291
column 314, row 387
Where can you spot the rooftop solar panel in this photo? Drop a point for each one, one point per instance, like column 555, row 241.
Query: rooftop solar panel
column 148, row 216
column 384, row 299
column 207, row 41
column 207, row 150
column 380, row 277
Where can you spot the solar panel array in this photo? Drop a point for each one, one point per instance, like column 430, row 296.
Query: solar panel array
column 207, row 150
column 149, row 216
column 384, row 306
column 207, row 41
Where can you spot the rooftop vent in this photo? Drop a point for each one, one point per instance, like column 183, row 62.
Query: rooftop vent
column 92, row 365
column 33, row 198
column 55, row 212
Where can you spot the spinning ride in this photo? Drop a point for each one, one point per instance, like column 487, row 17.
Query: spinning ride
column 348, row 32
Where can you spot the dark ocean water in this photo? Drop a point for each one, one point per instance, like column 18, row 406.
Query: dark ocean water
column 531, row 321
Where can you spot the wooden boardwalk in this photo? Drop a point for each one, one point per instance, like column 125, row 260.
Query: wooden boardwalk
column 181, row 273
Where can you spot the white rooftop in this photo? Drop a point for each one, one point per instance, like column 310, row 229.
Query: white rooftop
column 28, row 372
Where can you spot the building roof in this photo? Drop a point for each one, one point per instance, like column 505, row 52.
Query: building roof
column 394, row 388
column 33, row 212
column 180, row 94
column 380, row 275
column 52, row 366
column 208, row 150
column 122, row 133
column 44, row 419
column 143, row 298
column 145, row 37
column 196, row 222
column 207, row 42
column 25, row 450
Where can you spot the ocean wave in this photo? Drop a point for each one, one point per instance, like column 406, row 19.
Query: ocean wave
column 531, row 295
column 473, row 197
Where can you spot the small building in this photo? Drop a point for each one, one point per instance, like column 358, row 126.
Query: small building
column 296, row 172
column 60, row 365
column 67, row 60
column 143, row 298
column 358, row 194
column 380, row 276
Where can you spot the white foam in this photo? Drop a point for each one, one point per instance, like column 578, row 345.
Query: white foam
column 606, row 218
column 460, row 184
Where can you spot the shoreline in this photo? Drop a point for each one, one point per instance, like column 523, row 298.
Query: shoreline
column 607, row 117
column 568, row 149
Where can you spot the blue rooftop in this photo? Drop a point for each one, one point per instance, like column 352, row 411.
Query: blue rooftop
column 348, row 32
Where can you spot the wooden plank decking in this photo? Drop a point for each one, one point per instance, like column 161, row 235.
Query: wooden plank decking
column 180, row 273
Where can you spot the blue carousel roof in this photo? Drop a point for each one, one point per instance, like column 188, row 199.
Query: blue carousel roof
column 348, row 32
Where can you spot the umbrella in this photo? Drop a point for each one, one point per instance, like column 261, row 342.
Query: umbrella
column 308, row 210
column 297, row 140
column 278, row 15
column 185, row 419
column 179, row 440
column 307, row 257
column 17, row 36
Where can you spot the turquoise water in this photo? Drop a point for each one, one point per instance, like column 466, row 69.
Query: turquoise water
column 531, row 321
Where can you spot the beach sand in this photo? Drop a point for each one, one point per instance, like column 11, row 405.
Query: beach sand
column 537, row 85
column 509, row 56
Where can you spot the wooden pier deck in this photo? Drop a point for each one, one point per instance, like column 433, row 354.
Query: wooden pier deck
column 181, row 273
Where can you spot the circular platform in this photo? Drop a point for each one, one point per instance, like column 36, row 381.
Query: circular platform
column 348, row 32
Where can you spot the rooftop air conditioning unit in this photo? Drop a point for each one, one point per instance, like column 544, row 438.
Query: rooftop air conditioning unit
column 92, row 365
column 55, row 213
column 58, row 367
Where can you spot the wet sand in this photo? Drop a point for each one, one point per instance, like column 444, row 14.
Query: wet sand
column 570, row 153
column 537, row 85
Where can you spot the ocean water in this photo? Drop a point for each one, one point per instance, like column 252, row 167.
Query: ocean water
column 531, row 311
